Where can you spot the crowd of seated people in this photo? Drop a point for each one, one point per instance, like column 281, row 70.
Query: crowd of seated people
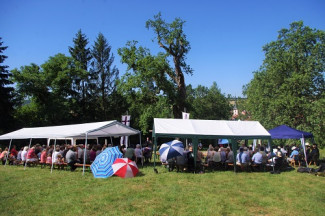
column 58, row 154
column 247, row 159
column 45, row 155
column 280, row 157
column 139, row 154
column 216, row 158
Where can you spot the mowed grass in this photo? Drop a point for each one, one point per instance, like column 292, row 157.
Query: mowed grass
column 36, row 191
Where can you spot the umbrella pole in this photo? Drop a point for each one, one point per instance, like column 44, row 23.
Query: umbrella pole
column 8, row 152
column 83, row 168
column 30, row 143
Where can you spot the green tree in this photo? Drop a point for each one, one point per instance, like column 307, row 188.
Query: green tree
column 48, row 91
column 171, row 37
column 145, row 85
column 81, row 54
column 289, row 86
column 6, row 94
column 208, row 103
column 104, row 74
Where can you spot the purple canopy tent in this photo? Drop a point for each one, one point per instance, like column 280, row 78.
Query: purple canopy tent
column 286, row 132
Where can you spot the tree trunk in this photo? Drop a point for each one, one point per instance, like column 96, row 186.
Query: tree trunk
column 179, row 106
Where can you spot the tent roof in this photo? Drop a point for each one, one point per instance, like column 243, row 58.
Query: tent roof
column 286, row 132
column 95, row 129
column 209, row 128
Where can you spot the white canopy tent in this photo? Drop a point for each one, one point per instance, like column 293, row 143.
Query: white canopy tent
column 81, row 131
column 94, row 130
column 209, row 129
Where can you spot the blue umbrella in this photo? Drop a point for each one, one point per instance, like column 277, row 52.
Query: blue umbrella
column 102, row 165
column 171, row 149
column 223, row 141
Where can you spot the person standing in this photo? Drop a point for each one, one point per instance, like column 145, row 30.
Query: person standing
column 314, row 154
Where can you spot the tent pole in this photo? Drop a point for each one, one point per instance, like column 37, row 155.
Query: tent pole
column 30, row 143
column 234, row 150
column 271, row 152
column 302, row 140
column 8, row 152
column 53, row 155
column 140, row 140
column 155, row 151
column 111, row 141
column 195, row 147
column 85, row 149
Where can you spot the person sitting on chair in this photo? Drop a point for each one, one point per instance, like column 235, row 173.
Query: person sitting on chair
column 242, row 158
column 147, row 153
column 71, row 158
column 31, row 156
column 257, row 158
column 210, row 154
column 294, row 154
column 129, row 153
column 138, row 153
column 3, row 156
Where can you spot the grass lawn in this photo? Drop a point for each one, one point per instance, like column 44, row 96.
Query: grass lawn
column 36, row 191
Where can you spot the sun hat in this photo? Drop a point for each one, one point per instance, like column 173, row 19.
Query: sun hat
column 275, row 150
column 293, row 148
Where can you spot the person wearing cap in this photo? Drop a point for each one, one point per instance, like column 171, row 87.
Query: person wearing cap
column 294, row 154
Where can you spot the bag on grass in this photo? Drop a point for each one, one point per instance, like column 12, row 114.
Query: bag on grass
column 321, row 168
column 305, row 170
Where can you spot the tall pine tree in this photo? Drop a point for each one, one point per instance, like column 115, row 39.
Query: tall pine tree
column 103, row 73
column 6, row 94
column 82, row 55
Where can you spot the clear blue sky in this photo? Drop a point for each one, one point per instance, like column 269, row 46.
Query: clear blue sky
column 226, row 36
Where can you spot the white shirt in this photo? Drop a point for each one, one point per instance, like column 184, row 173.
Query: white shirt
column 55, row 156
column 23, row 155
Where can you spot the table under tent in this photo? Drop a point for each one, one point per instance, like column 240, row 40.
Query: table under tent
column 208, row 129
column 73, row 132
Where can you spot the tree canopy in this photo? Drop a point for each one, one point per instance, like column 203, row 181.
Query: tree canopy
column 289, row 86
column 171, row 37
column 48, row 88
column 208, row 103
column 6, row 94
column 103, row 76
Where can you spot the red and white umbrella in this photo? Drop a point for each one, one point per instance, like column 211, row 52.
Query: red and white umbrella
column 125, row 168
